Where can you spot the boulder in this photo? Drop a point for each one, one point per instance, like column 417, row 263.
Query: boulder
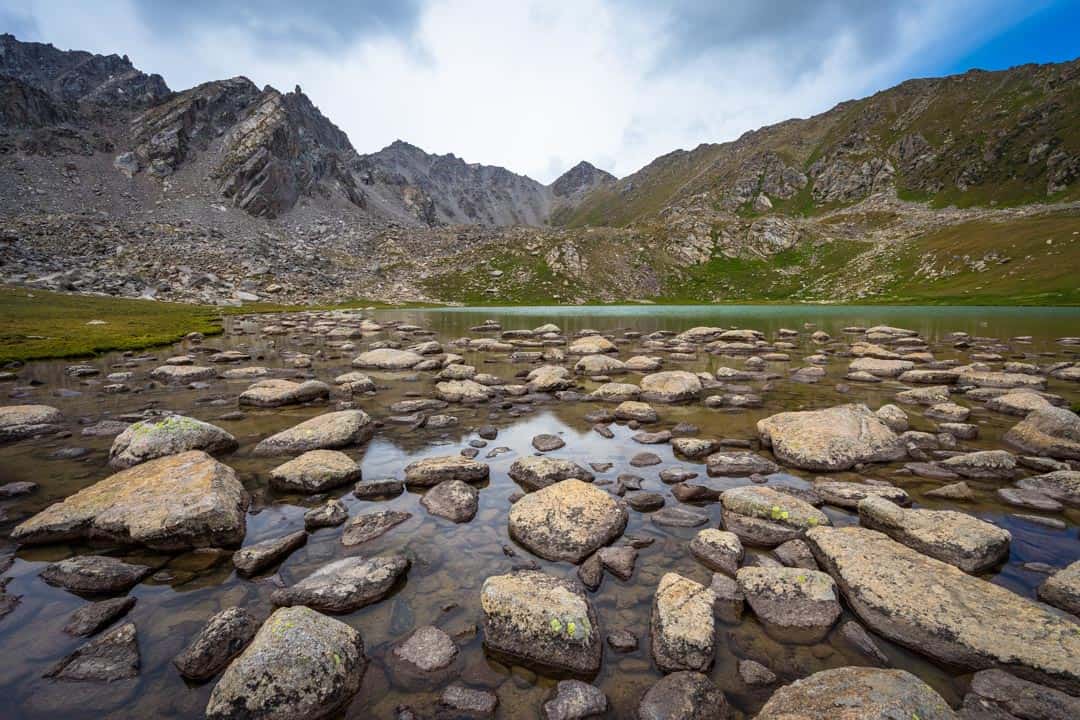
column 633, row 410
column 575, row 700
column 923, row 396
column 836, row 438
column 453, row 500
column 170, row 435
column 179, row 374
column 997, row 695
column 599, row 365
column 615, row 392
column 427, row 649
column 94, row 575
column 1062, row 589
column 1018, row 403
column 670, row 386
column 261, row 555
column 23, row 421
column 764, row 516
column 739, row 464
column 345, row 585
column 549, row 378
column 982, row 465
column 110, row 657
column 172, row 503
column 368, row 526
column 533, row 472
column 1054, row 432
column 542, row 619
column 683, row 696
column 717, row 550
column 89, row 619
column 301, row 664
column 223, row 637
column 431, row 471
column 330, row 514
column 329, row 431
column 462, row 391
column 881, row 368
column 387, row 359
column 275, row 393
column 857, row 693
column 567, row 521
column 694, row 448
column 591, row 345
column 682, row 625
column 796, row 604
column 848, row 494
column 953, row 537
column 939, row 610
column 991, row 379
column 315, row 471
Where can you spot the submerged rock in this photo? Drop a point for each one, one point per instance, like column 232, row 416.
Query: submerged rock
column 856, row 693
column 88, row 620
column 301, row 664
column 172, row 503
column 369, row 526
column 345, row 585
column 170, row 435
column 427, row 649
column 453, row 500
column 940, row 611
column 836, row 438
column 22, row 421
column 532, row 616
column 567, row 521
column 683, row 696
column 253, row 558
column 109, row 657
column 575, row 700
column 795, row 604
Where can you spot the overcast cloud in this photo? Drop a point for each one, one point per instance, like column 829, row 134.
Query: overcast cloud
column 535, row 86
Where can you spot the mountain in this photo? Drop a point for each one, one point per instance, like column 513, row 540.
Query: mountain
column 957, row 189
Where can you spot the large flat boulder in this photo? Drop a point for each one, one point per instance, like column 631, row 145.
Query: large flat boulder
column 539, row 618
column 1052, row 431
column 957, row 538
column 172, row 503
column 387, row 359
column 429, row 472
column 857, row 693
column 462, row 391
column 670, row 386
column 276, row 392
column 796, row 604
column 315, row 471
column 682, row 624
column 763, row 516
column 567, row 521
column 836, row 438
column 173, row 434
column 301, row 664
column 23, row 421
column 329, row 431
column 939, row 610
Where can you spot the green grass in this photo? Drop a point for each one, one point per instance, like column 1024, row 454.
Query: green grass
column 36, row 324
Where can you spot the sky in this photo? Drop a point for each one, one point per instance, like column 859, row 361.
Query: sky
column 536, row 86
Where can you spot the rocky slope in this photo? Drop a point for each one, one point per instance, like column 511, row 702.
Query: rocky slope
column 959, row 189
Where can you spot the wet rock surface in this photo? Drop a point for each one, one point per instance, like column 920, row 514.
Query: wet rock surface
column 864, row 693
column 345, row 585
column 224, row 636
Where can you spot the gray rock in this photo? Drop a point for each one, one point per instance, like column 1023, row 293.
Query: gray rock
column 1062, row 485
column 276, row 393
column 22, row 421
column 90, row 619
column 796, row 604
column 836, row 438
column 983, row 465
column 717, row 550
column 683, row 696
column 431, row 471
column 953, row 537
column 1062, row 589
column 547, row 443
column 682, row 624
column 796, row 554
column 679, row 517
column 541, row 619
column 998, row 695
column 1031, row 499
column 300, row 664
column 618, row 560
column 670, row 386
column 465, row 702
column 575, row 700
column 170, row 435
column 729, row 602
column 765, row 516
column 345, row 585
column 107, row 658
column 533, row 472
column 1054, row 432
column 368, row 526
column 622, row 641
column 856, row 634
column 315, row 471
column 94, row 575
column 755, row 674
column 567, row 521
column 329, row 431
column 940, row 611
column 223, row 637
column 330, row 514
column 849, row 494
column 863, row 693
column 453, row 500
column 739, row 464
column 427, row 649
column 253, row 558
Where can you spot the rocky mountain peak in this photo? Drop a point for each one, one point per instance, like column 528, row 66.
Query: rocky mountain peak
column 581, row 178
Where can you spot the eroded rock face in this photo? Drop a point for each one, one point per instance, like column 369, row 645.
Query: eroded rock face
column 329, row 431
column 300, row 664
column 172, row 503
column 567, row 521
column 953, row 537
column 682, row 624
column 345, row 585
column 23, row 421
column 536, row 617
column 940, row 611
column 170, row 435
column 683, row 696
column 1054, row 432
column 533, row 472
column 836, row 438
column 857, row 693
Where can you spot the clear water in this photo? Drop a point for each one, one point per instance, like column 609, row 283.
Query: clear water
column 451, row 561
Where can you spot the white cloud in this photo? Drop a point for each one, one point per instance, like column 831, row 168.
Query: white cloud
column 537, row 86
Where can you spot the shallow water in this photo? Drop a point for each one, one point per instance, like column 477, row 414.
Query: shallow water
column 450, row 562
